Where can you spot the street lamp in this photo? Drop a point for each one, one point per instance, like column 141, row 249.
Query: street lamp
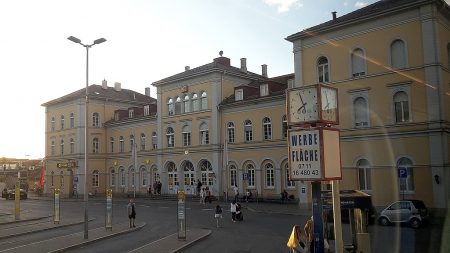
column 86, row 118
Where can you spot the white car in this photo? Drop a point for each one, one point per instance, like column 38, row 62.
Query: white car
column 413, row 212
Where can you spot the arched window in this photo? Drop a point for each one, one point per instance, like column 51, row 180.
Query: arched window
column 132, row 176
column 189, row 178
column 248, row 130
column 406, row 184
column 195, row 102
column 267, row 128
column 178, row 105
column 113, row 178
column 251, row 174
column 170, row 135
column 186, row 135
column 364, row 175
column 173, row 174
column 398, row 54
column 131, row 142
column 95, row 145
column 323, row 70
column 72, row 120
column 111, row 144
column 95, row 178
column 230, row 132
column 289, row 183
column 62, row 122
column 52, row 148
column 284, row 127
column 123, row 178
column 361, row 112
column 233, row 175
column 121, row 144
column 270, row 180
column 204, row 100
column 187, row 104
column 170, row 107
column 142, row 141
column 95, row 119
column 72, row 146
column 207, row 173
column 401, row 107
column 52, row 124
column 204, row 134
column 144, row 176
column 62, row 147
column 358, row 63
column 154, row 140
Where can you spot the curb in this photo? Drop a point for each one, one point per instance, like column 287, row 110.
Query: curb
column 25, row 220
column 191, row 243
column 97, row 239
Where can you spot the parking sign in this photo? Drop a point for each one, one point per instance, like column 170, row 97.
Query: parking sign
column 402, row 172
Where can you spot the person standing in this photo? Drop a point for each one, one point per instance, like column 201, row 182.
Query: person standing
column 202, row 196
column 199, row 186
column 236, row 193
column 131, row 208
column 309, row 231
column 233, row 210
column 218, row 214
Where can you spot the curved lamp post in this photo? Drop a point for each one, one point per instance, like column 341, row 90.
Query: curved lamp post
column 86, row 118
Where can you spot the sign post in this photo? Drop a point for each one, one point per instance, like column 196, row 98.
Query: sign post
column 402, row 175
column 56, row 207
column 108, row 216
column 17, row 201
column 181, row 216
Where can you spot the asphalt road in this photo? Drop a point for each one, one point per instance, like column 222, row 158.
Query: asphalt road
column 259, row 232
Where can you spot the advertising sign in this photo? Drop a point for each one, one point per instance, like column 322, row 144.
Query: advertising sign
column 181, row 217
column 108, row 216
column 56, row 206
column 314, row 154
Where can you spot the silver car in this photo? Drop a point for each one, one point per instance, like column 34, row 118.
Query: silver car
column 414, row 212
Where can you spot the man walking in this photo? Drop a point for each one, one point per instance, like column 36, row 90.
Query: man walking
column 131, row 208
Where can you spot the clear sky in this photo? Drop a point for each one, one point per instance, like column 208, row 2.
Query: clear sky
column 147, row 40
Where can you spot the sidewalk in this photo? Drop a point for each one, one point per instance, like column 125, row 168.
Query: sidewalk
column 276, row 208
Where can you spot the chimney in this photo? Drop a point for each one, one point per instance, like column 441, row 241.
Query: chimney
column 117, row 86
column 264, row 70
column 147, row 91
column 334, row 15
column 104, row 84
column 186, row 68
column 244, row 64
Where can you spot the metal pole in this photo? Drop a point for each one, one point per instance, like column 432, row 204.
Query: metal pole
column 338, row 243
column 86, row 227
column 317, row 214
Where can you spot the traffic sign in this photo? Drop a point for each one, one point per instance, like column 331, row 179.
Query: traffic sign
column 402, row 172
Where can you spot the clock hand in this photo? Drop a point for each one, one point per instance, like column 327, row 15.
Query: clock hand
column 302, row 108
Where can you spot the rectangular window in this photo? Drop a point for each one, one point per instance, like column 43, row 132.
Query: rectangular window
column 204, row 137
column 186, row 139
column 251, row 178
column 146, row 110
column 131, row 114
column 233, row 177
column 401, row 111
column 269, row 178
column 239, row 94
column 95, row 180
column 264, row 90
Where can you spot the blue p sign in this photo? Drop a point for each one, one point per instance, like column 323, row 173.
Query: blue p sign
column 402, row 172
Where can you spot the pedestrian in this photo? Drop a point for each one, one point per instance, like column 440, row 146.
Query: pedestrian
column 248, row 195
column 199, row 186
column 202, row 196
column 208, row 197
column 236, row 193
column 131, row 207
column 284, row 196
column 218, row 214
column 296, row 241
column 233, row 210
column 309, row 232
column 159, row 187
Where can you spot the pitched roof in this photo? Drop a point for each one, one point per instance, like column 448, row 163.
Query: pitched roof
column 97, row 92
column 215, row 66
column 366, row 13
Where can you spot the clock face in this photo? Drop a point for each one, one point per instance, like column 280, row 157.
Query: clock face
column 303, row 105
column 329, row 104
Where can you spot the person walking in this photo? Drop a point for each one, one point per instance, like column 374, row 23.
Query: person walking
column 233, row 210
column 131, row 208
column 218, row 214
column 199, row 186
column 309, row 231
column 202, row 196
column 236, row 193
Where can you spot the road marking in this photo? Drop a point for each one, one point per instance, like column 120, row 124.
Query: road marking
column 163, row 207
column 207, row 209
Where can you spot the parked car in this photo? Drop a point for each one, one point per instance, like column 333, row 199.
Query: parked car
column 412, row 211
column 11, row 194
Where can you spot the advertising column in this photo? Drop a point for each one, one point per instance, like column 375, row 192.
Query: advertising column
column 108, row 216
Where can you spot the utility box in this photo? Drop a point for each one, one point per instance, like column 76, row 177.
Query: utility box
column 363, row 242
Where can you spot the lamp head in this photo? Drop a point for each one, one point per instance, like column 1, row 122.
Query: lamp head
column 98, row 41
column 74, row 39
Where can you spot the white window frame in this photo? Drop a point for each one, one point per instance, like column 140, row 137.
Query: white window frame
column 62, row 122
column 95, row 119
column 146, row 110
column 186, row 135
column 269, row 172
column 195, row 103
column 231, row 132
column 323, row 70
column 233, row 175
column 95, row 178
column 187, row 104
column 358, row 63
column 72, row 145
column 353, row 96
column 154, row 140
column 130, row 113
column 267, row 128
column 72, row 120
column 238, row 94
column 364, row 174
column 204, row 133
column 142, row 141
column 264, row 90
column 170, row 137
column 204, row 101
column 248, row 130
column 121, row 144
column 251, row 172
column 170, row 107
column 95, row 145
